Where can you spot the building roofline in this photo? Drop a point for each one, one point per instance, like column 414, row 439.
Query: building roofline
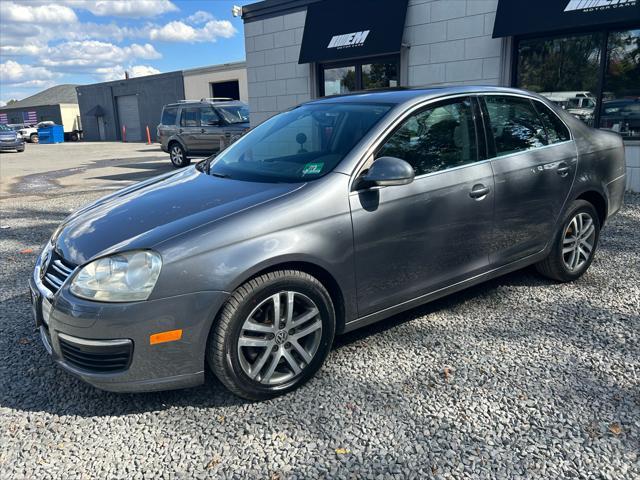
column 216, row 68
column 273, row 8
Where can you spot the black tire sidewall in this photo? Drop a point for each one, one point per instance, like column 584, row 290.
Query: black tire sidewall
column 579, row 206
column 291, row 283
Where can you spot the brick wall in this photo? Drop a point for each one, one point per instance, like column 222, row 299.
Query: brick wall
column 276, row 81
column 451, row 42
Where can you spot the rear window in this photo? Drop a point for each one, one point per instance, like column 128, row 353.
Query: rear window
column 169, row 116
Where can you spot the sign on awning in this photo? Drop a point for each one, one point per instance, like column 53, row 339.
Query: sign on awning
column 525, row 17
column 340, row 29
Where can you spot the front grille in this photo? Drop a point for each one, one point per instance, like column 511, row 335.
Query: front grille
column 96, row 356
column 57, row 272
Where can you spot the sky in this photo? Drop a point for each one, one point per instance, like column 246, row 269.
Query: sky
column 51, row 42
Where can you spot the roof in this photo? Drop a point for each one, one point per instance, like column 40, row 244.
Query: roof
column 207, row 101
column 273, row 8
column 216, row 68
column 51, row 96
column 403, row 95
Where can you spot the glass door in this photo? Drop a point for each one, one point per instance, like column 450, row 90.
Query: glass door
column 355, row 75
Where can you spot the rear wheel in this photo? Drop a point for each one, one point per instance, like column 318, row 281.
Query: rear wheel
column 272, row 335
column 574, row 244
column 33, row 138
column 178, row 156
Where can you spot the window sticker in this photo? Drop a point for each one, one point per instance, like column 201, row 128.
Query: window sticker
column 313, row 168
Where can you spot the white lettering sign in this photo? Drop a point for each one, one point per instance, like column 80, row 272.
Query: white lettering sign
column 354, row 39
column 589, row 5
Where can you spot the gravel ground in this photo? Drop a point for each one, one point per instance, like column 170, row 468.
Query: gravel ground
column 515, row 378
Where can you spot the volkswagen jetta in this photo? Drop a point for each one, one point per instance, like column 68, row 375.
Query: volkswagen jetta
column 325, row 218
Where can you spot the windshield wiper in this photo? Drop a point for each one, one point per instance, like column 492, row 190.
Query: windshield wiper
column 220, row 175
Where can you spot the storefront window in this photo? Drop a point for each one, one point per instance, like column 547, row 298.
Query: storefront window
column 568, row 71
column 565, row 70
column 339, row 80
column 621, row 91
column 379, row 75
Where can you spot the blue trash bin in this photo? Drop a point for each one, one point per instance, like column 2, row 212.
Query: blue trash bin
column 51, row 134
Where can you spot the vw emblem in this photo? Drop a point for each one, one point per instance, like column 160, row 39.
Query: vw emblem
column 281, row 337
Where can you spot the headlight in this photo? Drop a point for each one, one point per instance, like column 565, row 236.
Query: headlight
column 124, row 277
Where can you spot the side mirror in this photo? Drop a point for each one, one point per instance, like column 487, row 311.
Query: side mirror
column 386, row 172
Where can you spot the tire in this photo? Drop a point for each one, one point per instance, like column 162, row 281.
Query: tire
column 559, row 265
column 254, row 300
column 20, row 150
column 33, row 138
column 74, row 136
column 178, row 156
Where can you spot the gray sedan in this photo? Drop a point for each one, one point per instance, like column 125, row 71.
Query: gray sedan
column 326, row 218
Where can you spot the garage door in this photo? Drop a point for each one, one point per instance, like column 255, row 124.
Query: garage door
column 129, row 117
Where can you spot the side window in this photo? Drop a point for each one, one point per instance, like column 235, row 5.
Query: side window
column 190, row 117
column 208, row 116
column 515, row 124
column 435, row 139
column 556, row 130
column 169, row 116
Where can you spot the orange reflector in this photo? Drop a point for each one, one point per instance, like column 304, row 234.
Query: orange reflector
column 162, row 337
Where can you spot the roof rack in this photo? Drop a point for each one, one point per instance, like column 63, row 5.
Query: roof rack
column 216, row 99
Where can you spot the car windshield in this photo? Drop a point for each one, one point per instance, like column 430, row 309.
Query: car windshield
column 299, row 145
column 4, row 128
column 235, row 113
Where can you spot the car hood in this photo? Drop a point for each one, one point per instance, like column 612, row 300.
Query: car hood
column 153, row 211
column 8, row 135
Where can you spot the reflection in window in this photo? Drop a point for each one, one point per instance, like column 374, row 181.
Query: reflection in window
column 435, row 139
column 556, row 130
column 565, row 70
column 621, row 91
column 190, row 117
column 339, row 80
column 379, row 75
column 208, row 116
column 515, row 125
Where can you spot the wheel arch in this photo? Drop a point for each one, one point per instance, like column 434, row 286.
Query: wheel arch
column 599, row 202
column 323, row 275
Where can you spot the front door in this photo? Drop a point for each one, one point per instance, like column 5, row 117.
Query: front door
column 534, row 165
column 415, row 239
column 210, row 138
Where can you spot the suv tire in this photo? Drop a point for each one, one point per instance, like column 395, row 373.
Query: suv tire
column 178, row 156
column 33, row 138
column 574, row 244
column 272, row 335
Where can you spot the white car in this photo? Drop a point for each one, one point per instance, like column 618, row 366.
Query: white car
column 29, row 133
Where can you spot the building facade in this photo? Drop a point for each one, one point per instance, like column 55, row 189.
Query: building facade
column 582, row 54
column 123, row 109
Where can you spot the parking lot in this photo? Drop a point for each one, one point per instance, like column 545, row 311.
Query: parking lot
column 518, row 377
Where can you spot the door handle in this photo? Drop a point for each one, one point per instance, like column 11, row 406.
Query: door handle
column 202, row 130
column 180, row 131
column 563, row 169
column 479, row 191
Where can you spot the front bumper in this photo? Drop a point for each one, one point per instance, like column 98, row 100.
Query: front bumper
column 13, row 145
column 88, row 339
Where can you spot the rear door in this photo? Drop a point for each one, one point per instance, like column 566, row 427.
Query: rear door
column 414, row 239
column 189, row 127
column 534, row 163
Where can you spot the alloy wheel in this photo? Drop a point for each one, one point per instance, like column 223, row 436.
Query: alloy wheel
column 176, row 155
column 578, row 241
column 279, row 338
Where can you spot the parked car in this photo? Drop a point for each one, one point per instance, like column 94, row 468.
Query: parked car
column 10, row 139
column 622, row 116
column 28, row 132
column 201, row 127
column 323, row 219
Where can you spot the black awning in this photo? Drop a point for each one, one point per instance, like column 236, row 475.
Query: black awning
column 524, row 17
column 341, row 29
column 96, row 111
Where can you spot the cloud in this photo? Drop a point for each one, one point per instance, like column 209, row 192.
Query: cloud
column 178, row 31
column 20, row 76
column 43, row 14
column 199, row 17
column 124, row 8
column 81, row 56
column 118, row 72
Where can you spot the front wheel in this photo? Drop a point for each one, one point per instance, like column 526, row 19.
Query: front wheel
column 272, row 335
column 574, row 244
column 33, row 138
column 178, row 156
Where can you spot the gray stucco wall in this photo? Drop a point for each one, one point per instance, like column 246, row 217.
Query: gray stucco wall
column 276, row 81
column 153, row 93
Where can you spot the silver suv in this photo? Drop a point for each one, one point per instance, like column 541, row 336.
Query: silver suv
column 201, row 127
